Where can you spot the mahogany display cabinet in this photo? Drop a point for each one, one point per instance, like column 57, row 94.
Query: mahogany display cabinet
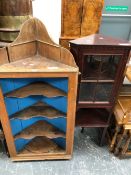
column 38, row 80
column 102, row 61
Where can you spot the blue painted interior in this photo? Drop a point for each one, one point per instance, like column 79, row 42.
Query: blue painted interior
column 14, row 105
column 15, row 83
column 18, row 125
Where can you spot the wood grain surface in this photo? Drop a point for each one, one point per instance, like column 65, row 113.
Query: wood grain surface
column 15, row 7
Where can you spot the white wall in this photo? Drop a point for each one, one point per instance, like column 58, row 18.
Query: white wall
column 49, row 12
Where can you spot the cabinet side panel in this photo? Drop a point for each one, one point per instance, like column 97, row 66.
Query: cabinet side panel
column 72, row 94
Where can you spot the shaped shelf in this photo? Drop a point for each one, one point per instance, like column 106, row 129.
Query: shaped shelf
column 40, row 128
column 37, row 110
column 41, row 145
column 9, row 30
column 37, row 88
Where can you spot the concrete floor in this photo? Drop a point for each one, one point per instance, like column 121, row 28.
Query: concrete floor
column 88, row 159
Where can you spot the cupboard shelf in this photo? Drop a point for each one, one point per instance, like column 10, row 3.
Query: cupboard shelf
column 40, row 128
column 40, row 109
column 87, row 117
column 125, row 90
column 36, row 63
column 9, row 30
column 37, row 88
column 40, row 145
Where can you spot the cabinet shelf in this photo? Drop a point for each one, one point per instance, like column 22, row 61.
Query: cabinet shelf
column 125, row 90
column 40, row 128
column 92, row 117
column 36, row 63
column 96, row 81
column 37, row 88
column 40, row 109
column 9, row 30
column 41, row 145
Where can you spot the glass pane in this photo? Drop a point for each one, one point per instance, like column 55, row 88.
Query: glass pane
column 103, row 92
column 100, row 67
column 87, row 91
column 95, row 92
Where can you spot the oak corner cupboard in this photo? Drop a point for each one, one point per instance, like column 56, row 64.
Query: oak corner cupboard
column 102, row 61
column 38, row 81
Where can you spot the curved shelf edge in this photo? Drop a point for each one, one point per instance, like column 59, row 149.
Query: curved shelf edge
column 37, row 88
column 40, row 128
column 40, row 145
column 39, row 109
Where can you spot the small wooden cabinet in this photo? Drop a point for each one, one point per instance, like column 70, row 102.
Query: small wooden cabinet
column 102, row 62
column 38, row 96
column 79, row 18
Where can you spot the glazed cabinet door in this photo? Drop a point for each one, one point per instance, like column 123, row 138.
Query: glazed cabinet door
column 98, row 78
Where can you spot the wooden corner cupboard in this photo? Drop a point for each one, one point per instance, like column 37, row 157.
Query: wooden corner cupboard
column 38, row 80
column 102, row 61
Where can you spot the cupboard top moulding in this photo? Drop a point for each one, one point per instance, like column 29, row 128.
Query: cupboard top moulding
column 100, row 40
column 33, row 52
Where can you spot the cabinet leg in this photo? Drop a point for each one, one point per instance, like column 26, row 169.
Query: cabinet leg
column 117, row 129
column 125, row 147
column 82, row 129
column 3, row 146
column 102, row 141
column 118, row 145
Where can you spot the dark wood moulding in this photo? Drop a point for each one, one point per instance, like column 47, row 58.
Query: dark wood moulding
column 38, row 88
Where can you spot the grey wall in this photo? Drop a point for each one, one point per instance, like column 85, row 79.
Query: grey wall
column 119, row 27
